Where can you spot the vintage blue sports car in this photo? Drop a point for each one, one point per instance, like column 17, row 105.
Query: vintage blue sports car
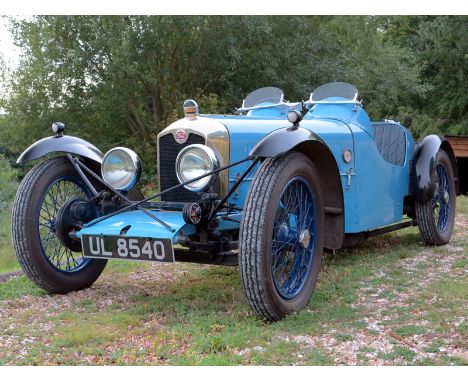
column 267, row 189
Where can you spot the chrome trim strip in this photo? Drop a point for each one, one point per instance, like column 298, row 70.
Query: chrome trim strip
column 259, row 107
column 284, row 104
column 216, row 137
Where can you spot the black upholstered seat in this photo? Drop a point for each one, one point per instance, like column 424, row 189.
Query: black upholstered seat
column 391, row 142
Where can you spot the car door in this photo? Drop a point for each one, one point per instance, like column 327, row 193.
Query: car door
column 381, row 173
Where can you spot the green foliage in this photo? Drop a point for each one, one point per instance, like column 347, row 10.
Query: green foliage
column 409, row 330
column 8, row 184
column 385, row 74
column 17, row 287
column 8, row 261
column 439, row 45
column 399, row 352
column 119, row 80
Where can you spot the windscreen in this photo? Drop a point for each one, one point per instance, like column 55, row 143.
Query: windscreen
column 268, row 94
column 334, row 89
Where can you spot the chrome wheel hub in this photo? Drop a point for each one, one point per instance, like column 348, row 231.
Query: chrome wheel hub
column 446, row 197
column 304, row 238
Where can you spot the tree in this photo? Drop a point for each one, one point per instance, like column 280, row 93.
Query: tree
column 119, row 80
column 439, row 45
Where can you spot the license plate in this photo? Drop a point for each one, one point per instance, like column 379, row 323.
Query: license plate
column 128, row 248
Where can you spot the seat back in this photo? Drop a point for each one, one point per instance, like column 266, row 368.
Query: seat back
column 391, row 142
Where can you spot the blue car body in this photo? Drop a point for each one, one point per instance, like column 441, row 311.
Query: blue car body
column 373, row 189
column 375, row 195
column 267, row 190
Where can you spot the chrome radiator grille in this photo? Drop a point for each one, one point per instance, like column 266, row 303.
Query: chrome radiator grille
column 168, row 151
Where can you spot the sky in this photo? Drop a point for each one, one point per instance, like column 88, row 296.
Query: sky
column 8, row 50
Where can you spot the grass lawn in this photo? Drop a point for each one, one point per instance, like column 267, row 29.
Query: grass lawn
column 389, row 301
column 8, row 187
column 8, row 262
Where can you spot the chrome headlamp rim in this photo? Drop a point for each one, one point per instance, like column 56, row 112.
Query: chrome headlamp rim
column 135, row 160
column 215, row 164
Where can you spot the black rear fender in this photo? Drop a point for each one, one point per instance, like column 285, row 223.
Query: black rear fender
column 423, row 180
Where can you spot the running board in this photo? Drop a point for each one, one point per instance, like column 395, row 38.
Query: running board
column 391, row 228
column 352, row 239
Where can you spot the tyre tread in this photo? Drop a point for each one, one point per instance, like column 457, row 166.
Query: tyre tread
column 21, row 206
column 21, row 212
column 424, row 211
column 251, row 236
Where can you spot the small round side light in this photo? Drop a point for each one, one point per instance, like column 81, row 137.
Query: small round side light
column 347, row 156
column 58, row 128
column 294, row 117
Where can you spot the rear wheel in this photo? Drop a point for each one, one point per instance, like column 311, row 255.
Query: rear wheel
column 436, row 216
column 40, row 250
column 281, row 236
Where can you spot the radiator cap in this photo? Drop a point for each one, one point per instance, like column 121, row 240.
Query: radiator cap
column 190, row 109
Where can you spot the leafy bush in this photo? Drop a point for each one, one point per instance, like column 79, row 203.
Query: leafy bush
column 8, row 184
column 119, row 80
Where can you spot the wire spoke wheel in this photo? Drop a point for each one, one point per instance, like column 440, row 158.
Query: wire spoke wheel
column 59, row 256
column 436, row 216
column 47, row 255
column 293, row 238
column 281, row 236
column 441, row 199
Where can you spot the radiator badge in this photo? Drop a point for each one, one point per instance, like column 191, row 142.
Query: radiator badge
column 181, row 136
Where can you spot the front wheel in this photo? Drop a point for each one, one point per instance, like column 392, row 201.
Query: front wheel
column 281, row 236
column 50, row 264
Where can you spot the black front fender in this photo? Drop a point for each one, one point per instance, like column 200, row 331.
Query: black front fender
column 280, row 141
column 424, row 166
column 64, row 143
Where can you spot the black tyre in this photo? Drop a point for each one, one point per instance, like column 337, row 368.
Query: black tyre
column 43, row 257
column 436, row 216
column 281, row 236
